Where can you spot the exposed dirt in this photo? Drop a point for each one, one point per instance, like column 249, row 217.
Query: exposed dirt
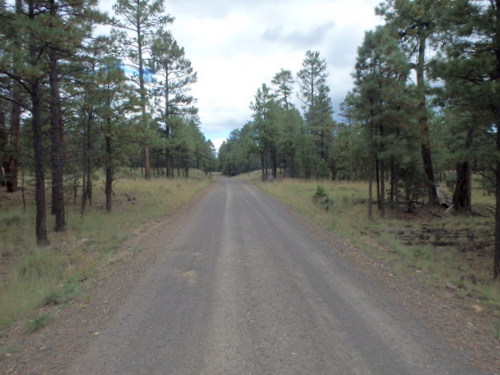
column 472, row 247
column 51, row 349
column 477, row 240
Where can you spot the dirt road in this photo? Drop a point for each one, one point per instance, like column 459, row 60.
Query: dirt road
column 244, row 288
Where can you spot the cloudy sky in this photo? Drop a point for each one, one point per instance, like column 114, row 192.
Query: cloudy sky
column 236, row 45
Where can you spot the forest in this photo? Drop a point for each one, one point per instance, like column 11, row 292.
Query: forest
column 424, row 111
column 84, row 94
column 76, row 102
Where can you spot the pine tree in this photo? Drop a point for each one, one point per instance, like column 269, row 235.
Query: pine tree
column 141, row 18
column 117, row 101
column 23, row 61
column 174, row 76
column 11, row 158
column 314, row 93
column 312, row 75
column 470, row 65
column 415, row 22
column 381, row 102
column 283, row 82
column 266, row 134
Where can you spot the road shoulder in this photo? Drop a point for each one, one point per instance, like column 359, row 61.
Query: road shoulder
column 52, row 349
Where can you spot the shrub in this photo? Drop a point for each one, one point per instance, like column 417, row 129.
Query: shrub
column 322, row 198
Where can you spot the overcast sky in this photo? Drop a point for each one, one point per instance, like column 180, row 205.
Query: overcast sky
column 236, row 45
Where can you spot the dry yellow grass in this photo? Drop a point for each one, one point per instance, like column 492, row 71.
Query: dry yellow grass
column 345, row 217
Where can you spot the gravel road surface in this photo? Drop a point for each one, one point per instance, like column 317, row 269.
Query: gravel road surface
column 245, row 288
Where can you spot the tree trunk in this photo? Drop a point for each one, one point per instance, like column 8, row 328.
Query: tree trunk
column 462, row 194
column 11, row 163
column 3, row 142
column 87, row 166
column 109, row 174
column 265, row 163
column 11, row 158
column 147, row 163
column 377, row 177
column 396, row 188
column 83, row 201
column 274, row 164
column 382, row 172
column 23, row 195
column 496, row 261
column 167, row 160
column 142, row 93
column 15, row 134
column 41, row 217
column 56, row 129
column 391, row 179
column 496, row 113
column 36, row 122
column 372, row 159
column 423, row 122
column 382, row 188
column 463, row 187
column 171, row 165
column 75, row 191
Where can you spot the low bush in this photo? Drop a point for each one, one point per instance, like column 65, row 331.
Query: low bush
column 322, row 199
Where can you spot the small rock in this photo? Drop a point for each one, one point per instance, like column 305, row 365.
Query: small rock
column 451, row 286
column 96, row 333
column 477, row 308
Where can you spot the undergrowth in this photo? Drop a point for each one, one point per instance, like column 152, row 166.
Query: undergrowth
column 31, row 277
column 38, row 322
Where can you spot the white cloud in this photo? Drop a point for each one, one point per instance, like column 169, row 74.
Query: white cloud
column 217, row 142
column 236, row 45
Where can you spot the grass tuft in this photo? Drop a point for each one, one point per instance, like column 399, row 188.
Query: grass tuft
column 39, row 322
column 38, row 264
column 14, row 219
column 65, row 293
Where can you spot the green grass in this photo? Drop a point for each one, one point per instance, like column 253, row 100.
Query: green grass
column 64, row 293
column 38, row 322
column 495, row 328
column 344, row 217
column 32, row 277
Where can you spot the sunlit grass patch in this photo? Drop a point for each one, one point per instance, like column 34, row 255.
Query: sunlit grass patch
column 345, row 214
